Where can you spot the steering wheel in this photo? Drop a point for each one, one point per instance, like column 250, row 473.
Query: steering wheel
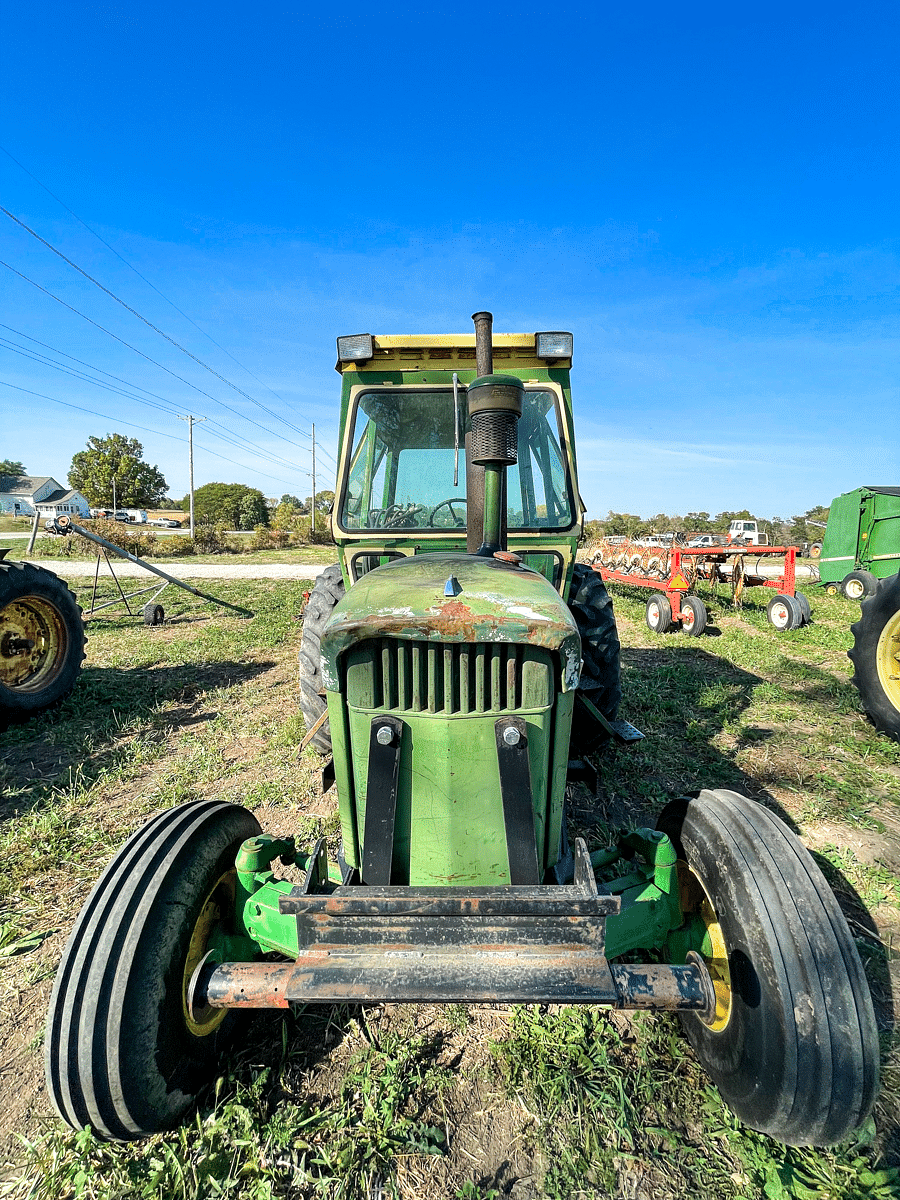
column 396, row 515
column 458, row 521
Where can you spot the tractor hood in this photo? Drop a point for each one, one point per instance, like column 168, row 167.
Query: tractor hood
column 453, row 598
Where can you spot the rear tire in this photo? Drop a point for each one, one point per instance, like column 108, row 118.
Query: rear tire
column 793, row 1045
column 120, row 1054
column 41, row 641
column 876, row 657
column 591, row 606
column 859, row 585
column 658, row 613
column 328, row 590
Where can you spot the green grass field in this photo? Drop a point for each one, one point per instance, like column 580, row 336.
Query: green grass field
column 422, row 1101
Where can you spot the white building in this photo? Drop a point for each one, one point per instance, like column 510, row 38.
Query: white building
column 30, row 494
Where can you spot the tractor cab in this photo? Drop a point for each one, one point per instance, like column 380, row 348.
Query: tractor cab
column 407, row 483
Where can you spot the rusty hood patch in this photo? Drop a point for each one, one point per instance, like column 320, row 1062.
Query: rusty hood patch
column 498, row 602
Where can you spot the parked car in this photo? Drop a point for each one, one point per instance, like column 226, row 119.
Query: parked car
column 707, row 539
column 165, row 523
column 121, row 515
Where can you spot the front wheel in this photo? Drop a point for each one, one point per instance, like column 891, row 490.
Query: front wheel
column 123, row 1055
column 876, row 657
column 792, row 1044
column 327, row 593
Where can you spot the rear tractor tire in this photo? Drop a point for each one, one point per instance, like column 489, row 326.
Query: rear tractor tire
column 122, row 1054
column 876, row 657
column 328, row 590
column 591, row 606
column 41, row 641
column 792, row 1044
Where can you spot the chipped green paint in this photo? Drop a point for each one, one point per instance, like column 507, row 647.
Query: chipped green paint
column 498, row 602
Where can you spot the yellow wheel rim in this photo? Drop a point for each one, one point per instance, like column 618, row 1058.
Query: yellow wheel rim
column 33, row 641
column 218, row 904
column 695, row 902
column 887, row 660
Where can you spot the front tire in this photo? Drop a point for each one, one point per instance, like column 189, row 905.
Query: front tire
column 876, row 657
column 591, row 606
column 793, row 1044
column 122, row 1055
column 327, row 592
column 41, row 641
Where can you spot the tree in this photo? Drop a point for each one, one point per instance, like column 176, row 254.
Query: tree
column 138, row 484
column 11, row 470
column 810, row 527
column 697, row 522
column 295, row 502
column 253, row 510
column 324, row 501
column 230, row 504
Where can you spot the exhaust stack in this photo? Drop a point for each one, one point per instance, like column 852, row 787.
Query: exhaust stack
column 495, row 406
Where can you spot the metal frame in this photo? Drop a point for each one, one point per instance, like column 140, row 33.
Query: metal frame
column 65, row 526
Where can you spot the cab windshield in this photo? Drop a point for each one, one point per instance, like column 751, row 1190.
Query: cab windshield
column 402, row 465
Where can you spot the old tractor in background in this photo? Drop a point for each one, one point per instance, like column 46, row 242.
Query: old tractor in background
column 459, row 653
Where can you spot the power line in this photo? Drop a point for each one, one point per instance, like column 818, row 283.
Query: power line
column 165, row 406
column 132, row 425
column 131, row 267
column 149, row 324
column 122, row 341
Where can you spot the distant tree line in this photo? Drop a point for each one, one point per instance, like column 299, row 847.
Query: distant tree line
column 781, row 531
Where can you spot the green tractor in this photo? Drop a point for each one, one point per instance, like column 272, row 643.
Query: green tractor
column 453, row 667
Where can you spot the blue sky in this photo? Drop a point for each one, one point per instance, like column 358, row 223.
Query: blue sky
column 705, row 195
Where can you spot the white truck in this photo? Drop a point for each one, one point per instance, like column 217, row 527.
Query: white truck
column 746, row 533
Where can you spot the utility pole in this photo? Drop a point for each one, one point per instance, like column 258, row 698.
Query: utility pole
column 312, row 509
column 114, row 496
column 190, row 420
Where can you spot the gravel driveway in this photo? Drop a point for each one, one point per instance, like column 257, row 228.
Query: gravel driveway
column 74, row 569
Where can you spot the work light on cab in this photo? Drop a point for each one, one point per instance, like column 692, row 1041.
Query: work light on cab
column 553, row 345
column 358, row 347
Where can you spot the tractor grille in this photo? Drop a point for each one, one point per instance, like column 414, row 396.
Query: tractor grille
column 448, row 678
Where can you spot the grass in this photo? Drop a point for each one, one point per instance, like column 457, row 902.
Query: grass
column 421, row 1101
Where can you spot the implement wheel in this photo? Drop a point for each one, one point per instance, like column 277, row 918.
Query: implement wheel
column 591, row 606
column 876, row 657
column 693, row 616
column 328, row 590
column 792, row 1044
column 41, row 641
column 784, row 612
column 858, row 585
column 122, row 1054
column 659, row 613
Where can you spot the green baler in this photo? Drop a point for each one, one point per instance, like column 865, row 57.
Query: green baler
column 451, row 666
column 862, row 541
